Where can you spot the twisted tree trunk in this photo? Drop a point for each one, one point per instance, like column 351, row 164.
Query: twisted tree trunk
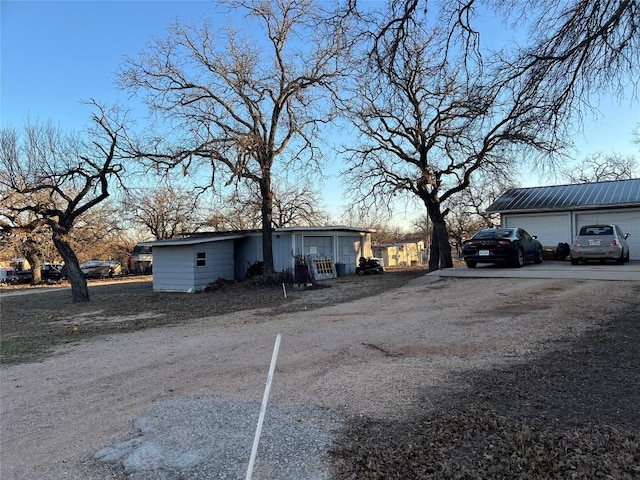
column 79, row 289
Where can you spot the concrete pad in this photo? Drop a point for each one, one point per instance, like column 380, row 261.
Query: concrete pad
column 548, row 269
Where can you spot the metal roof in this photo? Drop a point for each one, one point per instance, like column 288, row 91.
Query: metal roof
column 615, row 193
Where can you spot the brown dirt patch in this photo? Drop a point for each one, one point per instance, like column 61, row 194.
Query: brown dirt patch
column 36, row 319
column 446, row 380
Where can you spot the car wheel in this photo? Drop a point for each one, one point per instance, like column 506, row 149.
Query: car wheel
column 538, row 258
column 627, row 258
column 620, row 261
column 575, row 261
column 519, row 260
column 471, row 264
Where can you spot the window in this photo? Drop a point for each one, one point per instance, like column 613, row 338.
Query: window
column 201, row 259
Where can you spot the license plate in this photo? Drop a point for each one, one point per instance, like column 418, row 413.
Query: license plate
column 594, row 242
column 483, row 252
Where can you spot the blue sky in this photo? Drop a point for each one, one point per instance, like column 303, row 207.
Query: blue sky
column 56, row 53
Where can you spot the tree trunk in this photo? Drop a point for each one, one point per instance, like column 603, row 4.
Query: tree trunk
column 434, row 253
column 36, row 272
column 440, row 250
column 79, row 289
column 267, row 234
column 441, row 238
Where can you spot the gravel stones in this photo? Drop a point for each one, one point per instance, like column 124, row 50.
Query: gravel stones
column 207, row 438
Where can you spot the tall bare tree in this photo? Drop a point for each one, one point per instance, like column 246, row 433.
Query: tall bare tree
column 600, row 167
column 293, row 206
column 433, row 107
column 165, row 211
column 52, row 178
column 298, row 206
column 428, row 121
column 243, row 105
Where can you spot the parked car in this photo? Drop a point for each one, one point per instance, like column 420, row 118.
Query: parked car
column 513, row 246
column 600, row 242
column 52, row 272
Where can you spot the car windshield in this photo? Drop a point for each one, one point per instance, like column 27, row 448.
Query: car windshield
column 596, row 230
column 494, row 233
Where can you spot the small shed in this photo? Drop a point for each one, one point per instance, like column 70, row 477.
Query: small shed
column 190, row 264
column 555, row 213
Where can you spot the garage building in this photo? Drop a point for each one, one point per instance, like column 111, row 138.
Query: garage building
column 555, row 214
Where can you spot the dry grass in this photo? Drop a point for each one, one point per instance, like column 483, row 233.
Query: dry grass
column 34, row 323
column 571, row 414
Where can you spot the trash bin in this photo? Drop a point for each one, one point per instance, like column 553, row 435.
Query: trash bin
column 341, row 269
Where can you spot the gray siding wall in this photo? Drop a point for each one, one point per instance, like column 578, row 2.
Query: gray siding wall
column 248, row 251
column 175, row 269
column 318, row 245
column 297, row 244
column 219, row 263
column 349, row 248
column 172, row 269
column 283, row 252
column 175, row 266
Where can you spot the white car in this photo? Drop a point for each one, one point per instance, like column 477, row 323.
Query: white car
column 600, row 242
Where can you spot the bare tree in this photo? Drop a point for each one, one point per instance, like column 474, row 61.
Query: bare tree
column 54, row 178
column 431, row 110
column 101, row 233
column 483, row 190
column 22, row 238
column 242, row 105
column 293, row 206
column 427, row 123
column 239, row 210
column 165, row 211
column 462, row 225
column 298, row 206
column 599, row 167
column 98, row 233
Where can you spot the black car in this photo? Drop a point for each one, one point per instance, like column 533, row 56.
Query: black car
column 512, row 246
column 52, row 272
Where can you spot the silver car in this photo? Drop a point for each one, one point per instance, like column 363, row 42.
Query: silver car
column 600, row 242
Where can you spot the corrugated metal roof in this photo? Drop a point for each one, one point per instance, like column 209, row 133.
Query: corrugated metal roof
column 615, row 193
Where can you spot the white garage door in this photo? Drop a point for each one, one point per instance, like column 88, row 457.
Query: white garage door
column 628, row 220
column 551, row 228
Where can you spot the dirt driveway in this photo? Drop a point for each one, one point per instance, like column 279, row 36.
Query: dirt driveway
column 381, row 358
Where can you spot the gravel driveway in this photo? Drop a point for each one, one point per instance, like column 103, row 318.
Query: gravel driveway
column 182, row 401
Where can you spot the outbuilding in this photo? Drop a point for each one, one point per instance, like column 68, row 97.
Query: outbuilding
column 555, row 213
column 190, row 264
